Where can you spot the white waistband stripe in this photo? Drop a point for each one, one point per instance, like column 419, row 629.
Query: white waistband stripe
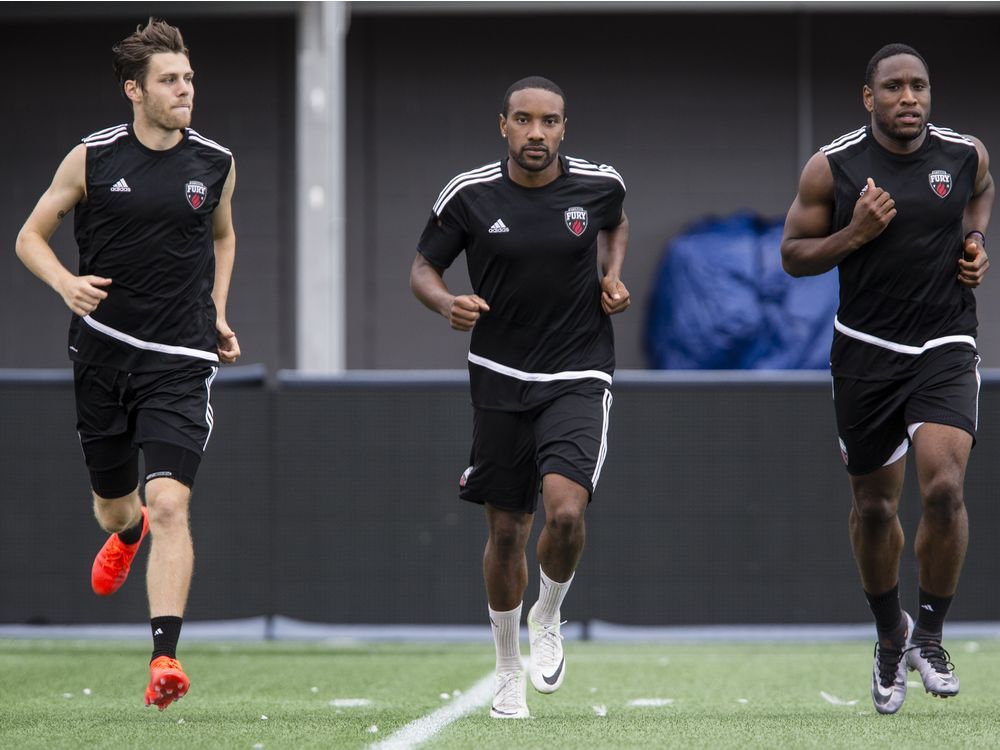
column 538, row 377
column 151, row 346
column 902, row 348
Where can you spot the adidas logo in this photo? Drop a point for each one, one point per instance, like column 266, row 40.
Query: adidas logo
column 928, row 607
column 159, row 631
column 121, row 187
column 498, row 227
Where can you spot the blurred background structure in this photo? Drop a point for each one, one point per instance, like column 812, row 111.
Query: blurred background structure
column 327, row 471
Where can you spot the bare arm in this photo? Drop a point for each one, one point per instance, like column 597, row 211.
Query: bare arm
column 807, row 247
column 82, row 294
column 972, row 268
column 427, row 285
column 225, row 255
column 615, row 297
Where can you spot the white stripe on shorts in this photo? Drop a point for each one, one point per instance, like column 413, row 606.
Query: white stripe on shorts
column 603, row 453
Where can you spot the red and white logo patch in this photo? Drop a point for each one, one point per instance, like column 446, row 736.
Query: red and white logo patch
column 576, row 220
column 940, row 182
column 196, row 194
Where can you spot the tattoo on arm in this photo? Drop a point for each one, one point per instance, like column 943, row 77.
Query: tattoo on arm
column 61, row 215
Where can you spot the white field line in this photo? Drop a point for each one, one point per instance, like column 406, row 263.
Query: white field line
column 420, row 730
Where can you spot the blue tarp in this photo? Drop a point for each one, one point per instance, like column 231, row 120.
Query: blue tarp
column 721, row 301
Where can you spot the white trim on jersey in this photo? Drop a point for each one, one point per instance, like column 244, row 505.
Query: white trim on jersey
column 845, row 141
column 194, row 135
column 209, row 414
column 477, row 172
column 538, row 377
column 151, row 346
column 837, row 141
column 483, row 174
column 104, row 137
column 603, row 453
column 584, row 167
column 947, row 134
column 103, row 133
column 902, row 348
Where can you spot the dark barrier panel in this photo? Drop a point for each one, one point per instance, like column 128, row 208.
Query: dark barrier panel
column 48, row 536
column 720, row 502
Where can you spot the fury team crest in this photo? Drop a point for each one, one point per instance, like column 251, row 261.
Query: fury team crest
column 576, row 220
column 940, row 183
column 196, row 194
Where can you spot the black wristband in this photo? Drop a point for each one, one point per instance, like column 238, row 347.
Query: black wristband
column 982, row 237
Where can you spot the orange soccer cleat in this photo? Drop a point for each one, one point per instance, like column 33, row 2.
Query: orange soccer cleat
column 112, row 563
column 167, row 682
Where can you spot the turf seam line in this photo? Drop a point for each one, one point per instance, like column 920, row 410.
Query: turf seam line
column 421, row 730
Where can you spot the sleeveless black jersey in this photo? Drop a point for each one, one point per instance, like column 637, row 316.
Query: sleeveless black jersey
column 532, row 255
column 899, row 295
column 146, row 223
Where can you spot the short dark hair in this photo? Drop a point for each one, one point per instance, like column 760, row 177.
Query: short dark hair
column 891, row 50
column 532, row 82
column 131, row 54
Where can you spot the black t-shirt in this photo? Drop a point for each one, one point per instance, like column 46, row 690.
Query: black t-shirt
column 899, row 294
column 146, row 223
column 532, row 255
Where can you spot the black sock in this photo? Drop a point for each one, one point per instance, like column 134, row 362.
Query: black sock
column 888, row 613
column 166, row 632
column 930, row 620
column 133, row 534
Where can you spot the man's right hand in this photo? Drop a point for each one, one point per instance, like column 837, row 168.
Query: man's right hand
column 872, row 213
column 82, row 294
column 465, row 311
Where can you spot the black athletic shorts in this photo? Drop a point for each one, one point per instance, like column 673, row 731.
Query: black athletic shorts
column 168, row 414
column 874, row 417
column 512, row 451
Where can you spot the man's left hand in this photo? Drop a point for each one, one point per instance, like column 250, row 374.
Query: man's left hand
column 973, row 266
column 229, row 347
column 614, row 296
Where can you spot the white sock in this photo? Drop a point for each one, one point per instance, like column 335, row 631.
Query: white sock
column 550, row 597
column 506, row 636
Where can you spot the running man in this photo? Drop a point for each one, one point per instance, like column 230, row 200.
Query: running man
column 541, row 359
column 153, row 222
column 901, row 207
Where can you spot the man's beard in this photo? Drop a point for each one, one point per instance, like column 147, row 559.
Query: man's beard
column 534, row 166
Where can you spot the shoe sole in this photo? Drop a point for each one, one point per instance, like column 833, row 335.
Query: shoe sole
column 544, row 687
column 495, row 715
column 928, row 690
column 172, row 686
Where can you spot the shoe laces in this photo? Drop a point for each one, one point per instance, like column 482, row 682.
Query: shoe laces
column 887, row 660
column 936, row 655
column 548, row 639
column 508, row 691
column 114, row 556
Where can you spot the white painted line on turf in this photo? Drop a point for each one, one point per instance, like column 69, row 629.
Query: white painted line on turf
column 651, row 702
column 349, row 702
column 420, row 730
column 834, row 700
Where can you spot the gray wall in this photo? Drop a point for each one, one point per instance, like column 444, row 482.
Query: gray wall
column 61, row 89
column 721, row 503
column 701, row 112
column 708, row 112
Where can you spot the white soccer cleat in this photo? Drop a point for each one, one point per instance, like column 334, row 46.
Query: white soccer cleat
column 934, row 665
column 889, row 674
column 547, row 665
column 509, row 700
